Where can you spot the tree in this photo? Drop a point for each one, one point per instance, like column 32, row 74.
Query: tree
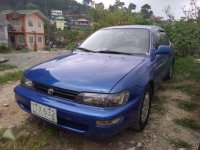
column 169, row 13
column 119, row 4
column 146, row 11
column 99, row 6
column 193, row 13
column 20, row 5
column 132, row 7
column 87, row 2
column 30, row 5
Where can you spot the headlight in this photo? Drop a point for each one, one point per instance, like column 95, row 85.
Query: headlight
column 26, row 82
column 103, row 100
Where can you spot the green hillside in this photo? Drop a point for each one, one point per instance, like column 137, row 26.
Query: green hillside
column 69, row 6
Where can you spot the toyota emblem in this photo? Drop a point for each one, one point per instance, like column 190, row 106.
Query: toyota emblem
column 50, row 91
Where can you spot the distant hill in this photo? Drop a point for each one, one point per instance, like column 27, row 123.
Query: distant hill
column 68, row 6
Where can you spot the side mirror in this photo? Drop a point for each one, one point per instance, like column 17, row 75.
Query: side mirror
column 163, row 49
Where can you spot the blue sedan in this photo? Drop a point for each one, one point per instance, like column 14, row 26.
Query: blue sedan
column 104, row 86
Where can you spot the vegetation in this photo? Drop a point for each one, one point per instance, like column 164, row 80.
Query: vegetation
column 37, row 134
column 187, row 68
column 11, row 76
column 4, row 48
column 179, row 143
column 68, row 6
column 4, row 67
column 188, row 106
column 185, row 36
column 159, row 105
column 188, row 123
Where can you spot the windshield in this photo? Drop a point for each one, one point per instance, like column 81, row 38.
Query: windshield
column 130, row 41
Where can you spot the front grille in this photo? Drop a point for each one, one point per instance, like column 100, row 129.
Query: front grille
column 58, row 92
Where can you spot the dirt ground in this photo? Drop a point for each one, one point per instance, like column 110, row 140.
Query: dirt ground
column 26, row 60
column 156, row 136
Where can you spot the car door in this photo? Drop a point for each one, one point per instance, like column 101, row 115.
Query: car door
column 167, row 59
column 161, row 60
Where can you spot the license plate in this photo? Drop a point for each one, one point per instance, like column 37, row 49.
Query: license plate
column 44, row 111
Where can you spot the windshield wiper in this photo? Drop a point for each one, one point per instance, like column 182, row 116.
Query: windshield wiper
column 113, row 52
column 85, row 49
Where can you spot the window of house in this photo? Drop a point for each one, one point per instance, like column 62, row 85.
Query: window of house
column 31, row 39
column 15, row 22
column 30, row 23
column 39, row 39
column 21, row 39
column 39, row 24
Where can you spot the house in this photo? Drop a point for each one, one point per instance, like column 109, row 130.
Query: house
column 26, row 29
column 81, row 22
column 56, row 13
column 3, row 30
column 60, row 23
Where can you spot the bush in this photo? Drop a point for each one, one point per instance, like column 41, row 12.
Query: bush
column 106, row 18
column 185, row 36
column 4, row 48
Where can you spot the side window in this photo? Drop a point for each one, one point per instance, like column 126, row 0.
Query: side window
column 161, row 38
column 165, row 39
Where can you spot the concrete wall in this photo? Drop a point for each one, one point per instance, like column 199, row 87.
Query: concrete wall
column 3, row 30
column 36, row 20
column 60, row 24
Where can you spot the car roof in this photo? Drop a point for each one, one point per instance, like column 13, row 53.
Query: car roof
column 149, row 27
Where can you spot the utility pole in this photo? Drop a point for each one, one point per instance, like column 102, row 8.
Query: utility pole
column 47, row 22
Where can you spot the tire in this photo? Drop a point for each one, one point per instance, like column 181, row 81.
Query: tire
column 169, row 75
column 143, row 116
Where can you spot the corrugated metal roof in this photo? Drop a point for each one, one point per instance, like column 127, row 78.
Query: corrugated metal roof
column 83, row 20
column 60, row 18
column 25, row 12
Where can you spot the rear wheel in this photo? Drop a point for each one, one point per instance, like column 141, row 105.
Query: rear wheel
column 144, row 110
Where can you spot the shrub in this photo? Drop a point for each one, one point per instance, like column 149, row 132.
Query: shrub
column 4, row 48
column 185, row 36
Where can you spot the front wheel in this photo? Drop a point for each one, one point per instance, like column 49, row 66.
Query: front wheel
column 144, row 110
column 169, row 74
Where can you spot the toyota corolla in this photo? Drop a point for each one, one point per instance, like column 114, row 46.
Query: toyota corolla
column 104, row 86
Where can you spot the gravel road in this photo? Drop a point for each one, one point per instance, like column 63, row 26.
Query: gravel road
column 26, row 60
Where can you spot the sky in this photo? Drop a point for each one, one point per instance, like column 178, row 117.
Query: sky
column 157, row 6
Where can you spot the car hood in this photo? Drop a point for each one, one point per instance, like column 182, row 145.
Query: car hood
column 84, row 71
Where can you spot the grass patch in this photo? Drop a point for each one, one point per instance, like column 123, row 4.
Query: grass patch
column 72, row 46
column 158, row 105
column 4, row 48
column 24, row 50
column 11, row 76
column 4, row 67
column 1, row 133
column 179, row 143
column 188, row 106
column 190, row 89
column 186, row 68
column 37, row 134
column 188, row 123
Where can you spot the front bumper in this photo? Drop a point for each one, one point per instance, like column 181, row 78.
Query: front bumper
column 78, row 117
